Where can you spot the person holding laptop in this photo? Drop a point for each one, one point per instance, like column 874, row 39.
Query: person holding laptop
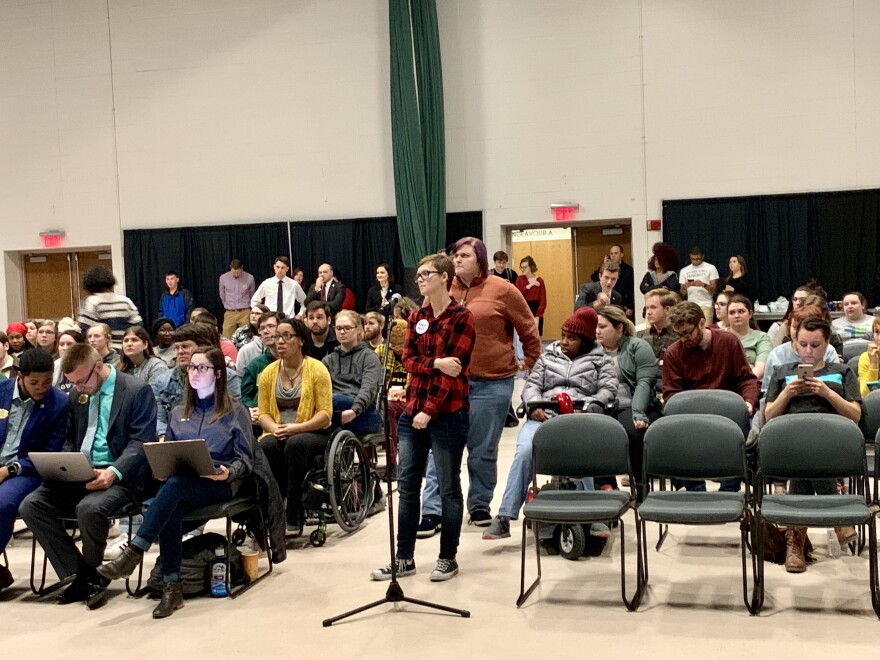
column 209, row 413
column 33, row 417
column 111, row 415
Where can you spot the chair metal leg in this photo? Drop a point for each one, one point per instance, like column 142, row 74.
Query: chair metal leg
column 664, row 531
column 523, row 592
column 136, row 590
column 747, row 526
column 632, row 604
column 872, row 565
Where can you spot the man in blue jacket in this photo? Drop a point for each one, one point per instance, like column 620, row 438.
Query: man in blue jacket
column 176, row 303
column 33, row 417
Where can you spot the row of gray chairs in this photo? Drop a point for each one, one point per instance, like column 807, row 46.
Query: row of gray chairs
column 701, row 446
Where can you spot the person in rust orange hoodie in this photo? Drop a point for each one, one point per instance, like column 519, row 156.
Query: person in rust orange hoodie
column 499, row 309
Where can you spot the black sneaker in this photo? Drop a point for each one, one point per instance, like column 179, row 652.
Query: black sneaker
column 405, row 567
column 429, row 526
column 445, row 569
column 480, row 519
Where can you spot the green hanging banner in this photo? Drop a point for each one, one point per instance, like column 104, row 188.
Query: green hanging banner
column 417, row 128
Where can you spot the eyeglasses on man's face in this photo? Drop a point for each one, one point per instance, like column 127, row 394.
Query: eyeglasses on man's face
column 85, row 381
column 425, row 274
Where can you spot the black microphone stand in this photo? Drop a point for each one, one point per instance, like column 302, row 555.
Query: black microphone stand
column 394, row 594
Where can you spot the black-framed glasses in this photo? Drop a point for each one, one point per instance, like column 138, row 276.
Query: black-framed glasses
column 425, row 274
column 344, row 328
column 202, row 369
column 85, row 381
column 285, row 336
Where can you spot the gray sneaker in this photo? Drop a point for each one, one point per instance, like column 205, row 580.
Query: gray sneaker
column 404, row 567
column 499, row 529
column 445, row 570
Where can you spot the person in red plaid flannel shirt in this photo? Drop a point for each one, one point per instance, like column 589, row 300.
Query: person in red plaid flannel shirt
column 437, row 352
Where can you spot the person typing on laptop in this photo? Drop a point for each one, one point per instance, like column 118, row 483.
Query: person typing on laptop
column 33, row 417
column 111, row 415
column 207, row 413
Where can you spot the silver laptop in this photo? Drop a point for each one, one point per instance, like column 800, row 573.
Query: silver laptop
column 184, row 457
column 70, row 466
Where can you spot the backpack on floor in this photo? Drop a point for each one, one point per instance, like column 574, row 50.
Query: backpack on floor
column 195, row 567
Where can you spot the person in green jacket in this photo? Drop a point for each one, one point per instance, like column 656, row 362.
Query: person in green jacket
column 636, row 365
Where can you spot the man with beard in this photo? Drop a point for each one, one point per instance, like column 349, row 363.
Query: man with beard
column 323, row 335
column 374, row 323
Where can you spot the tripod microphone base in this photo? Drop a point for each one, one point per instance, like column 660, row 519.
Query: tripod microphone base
column 395, row 595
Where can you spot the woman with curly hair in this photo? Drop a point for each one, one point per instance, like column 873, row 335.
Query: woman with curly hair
column 662, row 267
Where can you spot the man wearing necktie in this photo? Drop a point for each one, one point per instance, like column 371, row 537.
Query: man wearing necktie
column 279, row 293
column 111, row 415
column 327, row 289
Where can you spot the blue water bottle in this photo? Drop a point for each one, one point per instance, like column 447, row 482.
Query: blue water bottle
column 218, row 574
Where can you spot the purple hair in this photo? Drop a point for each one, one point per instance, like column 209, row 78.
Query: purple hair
column 479, row 252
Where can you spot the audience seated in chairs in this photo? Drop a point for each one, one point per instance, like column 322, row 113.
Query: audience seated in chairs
column 246, row 333
column 575, row 365
column 169, row 386
column 756, row 344
column 704, row 359
column 785, row 353
column 636, row 371
column 138, row 358
column 295, row 406
column 98, row 337
column 855, row 323
column 396, row 381
column 322, row 334
column 833, row 388
column 207, row 413
column 659, row 334
column 111, row 418
column 356, row 372
column 163, row 340
column 34, row 418
column 869, row 361
column 267, row 324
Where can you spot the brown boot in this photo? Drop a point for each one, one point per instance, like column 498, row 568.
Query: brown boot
column 795, row 537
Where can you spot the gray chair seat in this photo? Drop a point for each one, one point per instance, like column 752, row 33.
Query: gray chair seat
column 231, row 507
column 572, row 506
column 815, row 510
column 692, row 508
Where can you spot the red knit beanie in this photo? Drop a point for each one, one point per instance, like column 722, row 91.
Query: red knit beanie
column 583, row 322
column 20, row 328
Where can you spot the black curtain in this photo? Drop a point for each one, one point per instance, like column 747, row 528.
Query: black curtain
column 200, row 255
column 463, row 223
column 353, row 247
column 785, row 239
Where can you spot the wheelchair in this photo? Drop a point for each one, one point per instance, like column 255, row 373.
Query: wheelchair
column 341, row 486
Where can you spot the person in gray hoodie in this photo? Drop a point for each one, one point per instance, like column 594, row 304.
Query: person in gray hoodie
column 356, row 371
column 577, row 366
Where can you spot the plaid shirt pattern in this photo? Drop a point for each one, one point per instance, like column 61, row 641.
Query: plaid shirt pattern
column 449, row 335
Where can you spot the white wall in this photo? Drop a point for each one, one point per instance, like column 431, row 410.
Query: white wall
column 230, row 110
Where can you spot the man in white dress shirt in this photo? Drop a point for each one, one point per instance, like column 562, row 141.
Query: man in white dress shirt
column 279, row 293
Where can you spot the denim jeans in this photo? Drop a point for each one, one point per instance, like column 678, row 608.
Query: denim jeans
column 444, row 437
column 521, row 473
column 163, row 521
column 489, row 401
column 367, row 422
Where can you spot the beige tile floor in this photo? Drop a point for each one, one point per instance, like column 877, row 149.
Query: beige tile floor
column 693, row 607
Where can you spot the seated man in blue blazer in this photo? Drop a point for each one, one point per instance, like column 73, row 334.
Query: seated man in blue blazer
column 33, row 417
column 111, row 415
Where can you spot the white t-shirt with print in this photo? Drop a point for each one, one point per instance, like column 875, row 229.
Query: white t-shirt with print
column 705, row 272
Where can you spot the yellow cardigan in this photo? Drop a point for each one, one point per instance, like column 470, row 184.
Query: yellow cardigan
column 316, row 392
column 866, row 374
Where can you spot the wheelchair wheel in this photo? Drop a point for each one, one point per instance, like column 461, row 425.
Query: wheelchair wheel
column 348, row 476
column 571, row 541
